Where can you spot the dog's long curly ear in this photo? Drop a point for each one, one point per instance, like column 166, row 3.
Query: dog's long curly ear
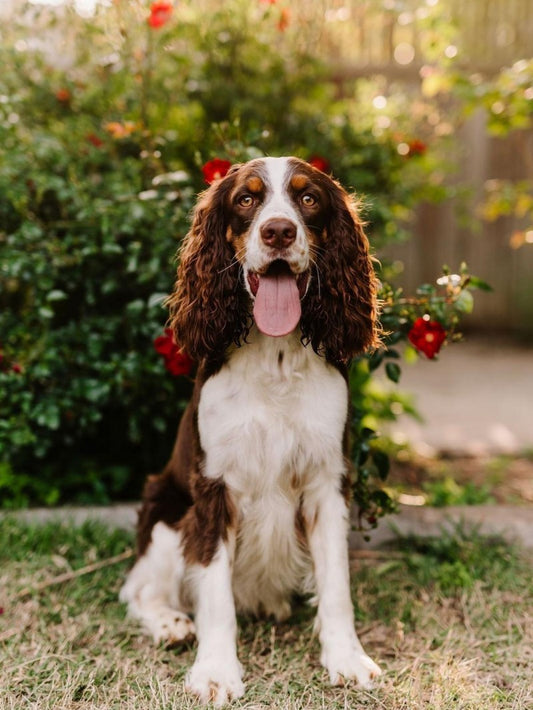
column 209, row 309
column 340, row 309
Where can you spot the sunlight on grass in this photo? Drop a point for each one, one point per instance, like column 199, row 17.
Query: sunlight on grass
column 445, row 639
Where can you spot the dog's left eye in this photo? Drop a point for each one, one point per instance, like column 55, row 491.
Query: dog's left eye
column 245, row 200
column 308, row 200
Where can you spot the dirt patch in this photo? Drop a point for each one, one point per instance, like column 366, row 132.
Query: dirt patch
column 497, row 479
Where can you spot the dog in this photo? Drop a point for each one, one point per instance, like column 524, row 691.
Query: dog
column 275, row 294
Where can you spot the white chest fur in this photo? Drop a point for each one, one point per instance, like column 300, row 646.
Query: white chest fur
column 271, row 424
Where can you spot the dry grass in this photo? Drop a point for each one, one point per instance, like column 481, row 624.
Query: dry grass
column 441, row 646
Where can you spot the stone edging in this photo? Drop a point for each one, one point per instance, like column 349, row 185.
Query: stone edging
column 512, row 522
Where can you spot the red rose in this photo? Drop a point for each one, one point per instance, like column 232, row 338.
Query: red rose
column 284, row 19
column 215, row 169
column 160, row 13
column 320, row 163
column 417, row 147
column 95, row 140
column 427, row 336
column 63, row 96
column 176, row 361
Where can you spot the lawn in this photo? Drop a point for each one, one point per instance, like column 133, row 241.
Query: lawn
column 450, row 620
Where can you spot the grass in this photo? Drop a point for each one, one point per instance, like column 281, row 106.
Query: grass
column 450, row 620
column 461, row 480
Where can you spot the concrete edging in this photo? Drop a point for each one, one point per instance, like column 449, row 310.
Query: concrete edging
column 514, row 523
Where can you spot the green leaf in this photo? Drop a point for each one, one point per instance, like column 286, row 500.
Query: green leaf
column 362, row 456
column 475, row 282
column 382, row 463
column 380, row 497
column 394, row 338
column 136, row 307
column 49, row 416
column 464, row 302
column 393, row 371
column 156, row 299
column 426, row 290
column 410, row 355
column 56, row 295
column 367, row 433
column 375, row 360
column 46, row 312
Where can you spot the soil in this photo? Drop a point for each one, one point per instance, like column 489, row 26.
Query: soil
column 506, row 479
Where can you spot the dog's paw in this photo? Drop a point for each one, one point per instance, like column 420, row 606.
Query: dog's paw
column 215, row 680
column 170, row 627
column 349, row 662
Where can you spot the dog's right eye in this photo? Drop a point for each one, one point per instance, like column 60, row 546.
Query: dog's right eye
column 245, row 201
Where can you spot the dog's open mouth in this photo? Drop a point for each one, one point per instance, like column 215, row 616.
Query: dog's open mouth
column 277, row 292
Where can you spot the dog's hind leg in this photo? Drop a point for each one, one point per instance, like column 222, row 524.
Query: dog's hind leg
column 153, row 588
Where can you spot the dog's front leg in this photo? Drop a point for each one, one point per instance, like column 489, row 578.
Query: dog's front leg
column 216, row 674
column 327, row 531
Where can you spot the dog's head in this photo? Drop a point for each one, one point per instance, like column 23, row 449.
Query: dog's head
column 279, row 241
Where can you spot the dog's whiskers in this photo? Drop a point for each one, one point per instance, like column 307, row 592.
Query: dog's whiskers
column 235, row 260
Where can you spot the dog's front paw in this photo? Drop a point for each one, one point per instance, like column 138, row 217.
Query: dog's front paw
column 349, row 661
column 170, row 627
column 216, row 680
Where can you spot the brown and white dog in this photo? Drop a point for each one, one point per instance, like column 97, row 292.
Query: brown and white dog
column 275, row 293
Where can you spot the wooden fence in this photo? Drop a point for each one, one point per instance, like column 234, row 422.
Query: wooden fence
column 364, row 35
column 439, row 237
column 362, row 39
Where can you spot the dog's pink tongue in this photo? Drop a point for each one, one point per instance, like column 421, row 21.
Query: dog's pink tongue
column 277, row 307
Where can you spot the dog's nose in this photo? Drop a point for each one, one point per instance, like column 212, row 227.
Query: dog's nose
column 278, row 233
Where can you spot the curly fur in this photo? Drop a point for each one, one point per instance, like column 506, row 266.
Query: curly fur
column 211, row 310
column 339, row 314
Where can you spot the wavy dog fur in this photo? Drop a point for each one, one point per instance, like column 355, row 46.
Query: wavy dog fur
column 252, row 506
column 210, row 308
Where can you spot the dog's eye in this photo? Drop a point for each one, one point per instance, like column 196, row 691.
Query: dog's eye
column 308, row 200
column 245, row 201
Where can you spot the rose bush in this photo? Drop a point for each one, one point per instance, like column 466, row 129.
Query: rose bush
column 101, row 156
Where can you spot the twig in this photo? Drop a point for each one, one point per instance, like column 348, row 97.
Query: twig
column 68, row 576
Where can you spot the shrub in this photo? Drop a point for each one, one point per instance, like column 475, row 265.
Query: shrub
column 99, row 166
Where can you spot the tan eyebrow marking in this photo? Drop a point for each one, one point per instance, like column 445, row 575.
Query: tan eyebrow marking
column 254, row 184
column 298, row 181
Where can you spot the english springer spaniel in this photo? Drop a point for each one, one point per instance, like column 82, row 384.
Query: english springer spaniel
column 275, row 294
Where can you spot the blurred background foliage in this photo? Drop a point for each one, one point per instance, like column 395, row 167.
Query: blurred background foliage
column 106, row 118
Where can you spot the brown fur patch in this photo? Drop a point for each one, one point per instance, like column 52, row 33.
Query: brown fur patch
column 255, row 184
column 346, row 486
column 209, row 310
column 300, row 525
column 163, row 499
column 299, row 181
column 238, row 243
column 208, row 521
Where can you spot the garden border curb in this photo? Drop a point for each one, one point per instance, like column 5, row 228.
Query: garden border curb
column 514, row 523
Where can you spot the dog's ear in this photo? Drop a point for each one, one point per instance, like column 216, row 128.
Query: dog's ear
column 209, row 308
column 340, row 309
